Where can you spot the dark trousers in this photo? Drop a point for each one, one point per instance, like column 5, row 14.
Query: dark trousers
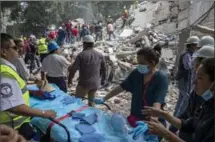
column 26, row 130
column 32, row 58
column 59, row 81
column 111, row 33
column 124, row 23
column 42, row 56
column 98, row 36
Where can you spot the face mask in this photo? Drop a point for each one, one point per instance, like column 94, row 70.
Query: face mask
column 207, row 95
column 143, row 69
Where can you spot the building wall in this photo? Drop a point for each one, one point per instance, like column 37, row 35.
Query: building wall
column 197, row 9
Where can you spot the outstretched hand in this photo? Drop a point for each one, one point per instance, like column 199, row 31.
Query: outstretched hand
column 156, row 128
column 152, row 111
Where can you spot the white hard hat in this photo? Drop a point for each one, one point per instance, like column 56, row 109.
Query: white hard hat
column 88, row 39
column 60, row 28
column 206, row 51
column 192, row 40
column 206, row 40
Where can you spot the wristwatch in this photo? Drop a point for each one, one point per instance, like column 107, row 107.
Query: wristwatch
column 43, row 112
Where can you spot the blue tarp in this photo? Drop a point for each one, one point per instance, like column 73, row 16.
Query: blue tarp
column 58, row 133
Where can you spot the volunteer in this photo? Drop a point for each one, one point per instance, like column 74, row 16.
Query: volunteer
column 194, row 100
column 201, row 124
column 61, row 36
column 184, row 75
column 91, row 66
column 147, row 85
column 110, row 30
column 42, row 48
column 124, row 17
column 14, row 96
column 19, row 62
column 85, row 31
column 56, row 65
column 205, row 40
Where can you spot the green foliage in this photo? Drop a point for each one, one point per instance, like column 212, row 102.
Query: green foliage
column 8, row 4
column 38, row 15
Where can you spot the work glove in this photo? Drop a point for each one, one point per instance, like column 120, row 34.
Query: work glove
column 139, row 130
column 99, row 101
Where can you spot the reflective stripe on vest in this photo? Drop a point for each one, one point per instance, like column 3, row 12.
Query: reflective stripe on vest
column 5, row 117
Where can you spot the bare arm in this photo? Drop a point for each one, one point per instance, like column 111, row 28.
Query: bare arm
column 172, row 137
column 73, row 69
column 25, row 110
column 171, row 119
column 157, row 105
column 113, row 93
column 103, row 69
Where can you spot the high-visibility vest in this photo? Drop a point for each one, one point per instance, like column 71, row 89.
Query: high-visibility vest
column 7, row 118
column 42, row 46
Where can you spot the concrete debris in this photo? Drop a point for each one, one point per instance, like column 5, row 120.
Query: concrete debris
column 126, row 33
column 143, row 8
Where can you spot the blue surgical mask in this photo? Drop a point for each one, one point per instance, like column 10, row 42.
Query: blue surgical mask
column 143, row 69
column 207, row 95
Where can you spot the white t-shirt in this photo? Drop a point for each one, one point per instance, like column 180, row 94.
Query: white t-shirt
column 55, row 65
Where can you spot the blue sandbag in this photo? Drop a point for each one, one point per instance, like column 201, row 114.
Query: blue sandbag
column 91, row 138
column 68, row 100
column 118, row 123
column 90, row 119
column 76, row 115
column 84, row 129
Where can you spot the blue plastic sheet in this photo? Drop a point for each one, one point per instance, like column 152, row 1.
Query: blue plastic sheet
column 102, row 126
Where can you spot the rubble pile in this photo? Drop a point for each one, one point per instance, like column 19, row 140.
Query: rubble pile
column 120, row 55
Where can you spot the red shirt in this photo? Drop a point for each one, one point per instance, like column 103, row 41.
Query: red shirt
column 52, row 35
column 75, row 31
column 68, row 25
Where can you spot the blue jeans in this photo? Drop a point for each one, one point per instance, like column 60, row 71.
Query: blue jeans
column 183, row 97
column 182, row 102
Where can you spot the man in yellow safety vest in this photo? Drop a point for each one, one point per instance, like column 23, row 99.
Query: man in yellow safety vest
column 14, row 96
column 42, row 48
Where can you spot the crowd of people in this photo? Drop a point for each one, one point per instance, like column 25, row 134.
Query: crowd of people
column 193, row 119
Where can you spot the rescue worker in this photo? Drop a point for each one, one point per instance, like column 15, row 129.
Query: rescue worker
column 84, row 31
column 147, row 86
column 204, row 49
column 42, row 48
column 184, row 74
column 19, row 62
column 110, row 30
column 91, row 66
column 14, row 96
column 124, row 17
column 75, row 33
column 109, row 19
column 205, row 40
column 56, row 65
column 98, row 31
column 61, row 36
column 195, row 101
